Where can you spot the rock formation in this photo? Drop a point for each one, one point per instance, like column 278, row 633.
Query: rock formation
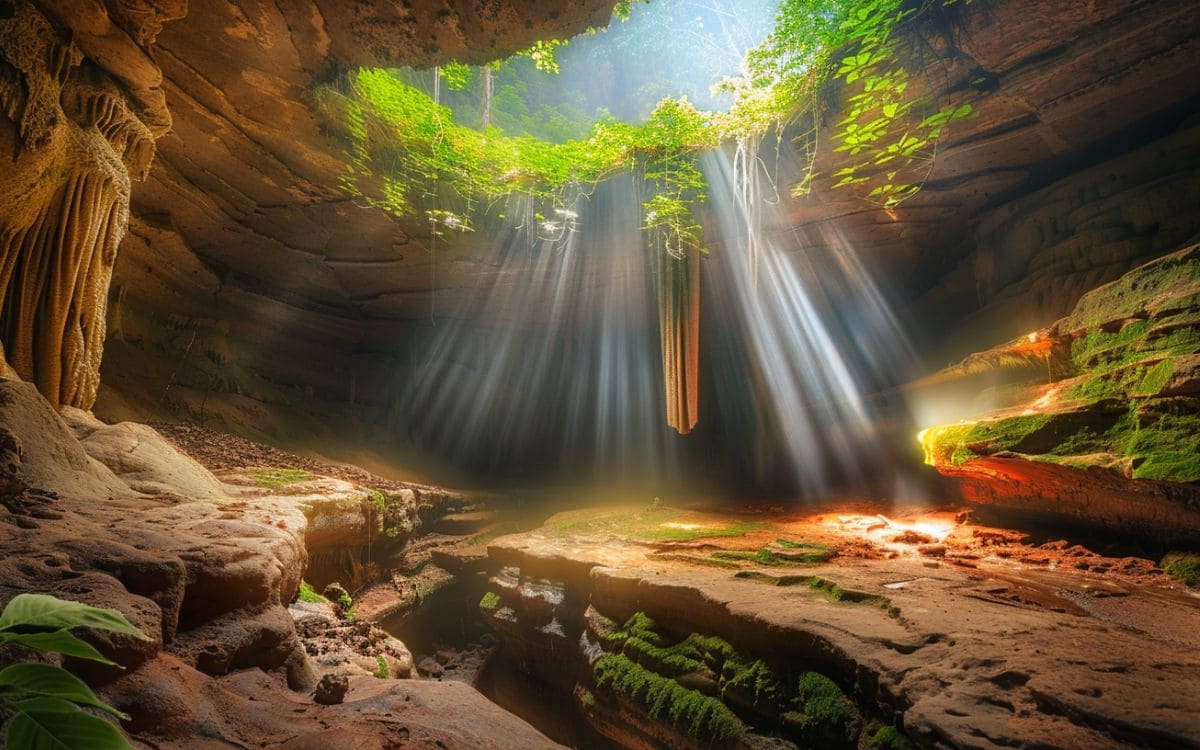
column 1097, row 419
column 83, row 109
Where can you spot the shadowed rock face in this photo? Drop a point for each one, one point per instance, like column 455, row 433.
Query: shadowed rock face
column 84, row 100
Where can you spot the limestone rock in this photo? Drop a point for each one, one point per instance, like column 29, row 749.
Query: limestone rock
column 140, row 456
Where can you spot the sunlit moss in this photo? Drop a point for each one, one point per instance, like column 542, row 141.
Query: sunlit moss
column 309, row 594
column 490, row 600
column 792, row 553
column 1183, row 565
column 278, row 478
column 657, row 523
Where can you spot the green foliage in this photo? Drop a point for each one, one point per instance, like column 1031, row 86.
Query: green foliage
column 278, row 478
column 408, row 154
column 392, row 123
column 41, row 702
column 309, row 594
column 890, row 738
column 377, row 499
column 890, row 131
column 43, row 622
column 1183, row 565
column 624, row 8
column 698, row 715
column 490, row 600
column 382, row 671
column 544, row 54
column 669, row 141
column 345, row 602
column 456, row 75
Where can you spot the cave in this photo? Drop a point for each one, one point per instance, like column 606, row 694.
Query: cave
column 599, row 374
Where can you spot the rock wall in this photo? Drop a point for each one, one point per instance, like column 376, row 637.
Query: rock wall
column 1078, row 163
column 1081, row 128
column 246, row 171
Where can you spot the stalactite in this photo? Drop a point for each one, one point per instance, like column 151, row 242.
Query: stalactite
column 679, row 327
column 73, row 142
column 38, row 63
column 54, row 277
column 108, row 112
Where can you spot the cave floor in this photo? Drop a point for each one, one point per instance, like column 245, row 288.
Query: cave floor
column 977, row 635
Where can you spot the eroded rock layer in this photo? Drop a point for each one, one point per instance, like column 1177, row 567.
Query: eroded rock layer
column 115, row 516
column 832, row 628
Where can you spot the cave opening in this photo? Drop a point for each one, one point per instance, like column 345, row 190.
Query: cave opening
column 639, row 374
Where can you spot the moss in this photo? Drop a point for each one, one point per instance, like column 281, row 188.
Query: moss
column 1156, row 378
column 890, row 738
column 377, row 498
column 1183, row 565
column 278, row 478
column 657, row 523
column 586, row 698
column 694, row 713
column 826, row 718
column 792, row 553
column 308, row 594
column 1168, row 449
column 490, row 600
column 1127, row 296
column 381, row 668
column 758, row 681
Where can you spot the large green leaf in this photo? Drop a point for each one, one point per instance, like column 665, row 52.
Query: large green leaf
column 56, row 724
column 59, row 642
column 48, row 681
column 33, row 612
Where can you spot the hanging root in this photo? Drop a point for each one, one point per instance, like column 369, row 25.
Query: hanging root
column 679, row 326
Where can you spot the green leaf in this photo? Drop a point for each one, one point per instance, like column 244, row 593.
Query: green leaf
column 31, row 612
column 55, row 724
column 53, row 682
column 58, row 642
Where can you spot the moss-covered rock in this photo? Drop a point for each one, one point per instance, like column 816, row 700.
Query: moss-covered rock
column 707, row 688
column 1125, row 383
column 1183, row 565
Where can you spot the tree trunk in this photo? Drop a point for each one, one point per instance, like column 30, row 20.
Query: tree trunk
column 487, row 96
